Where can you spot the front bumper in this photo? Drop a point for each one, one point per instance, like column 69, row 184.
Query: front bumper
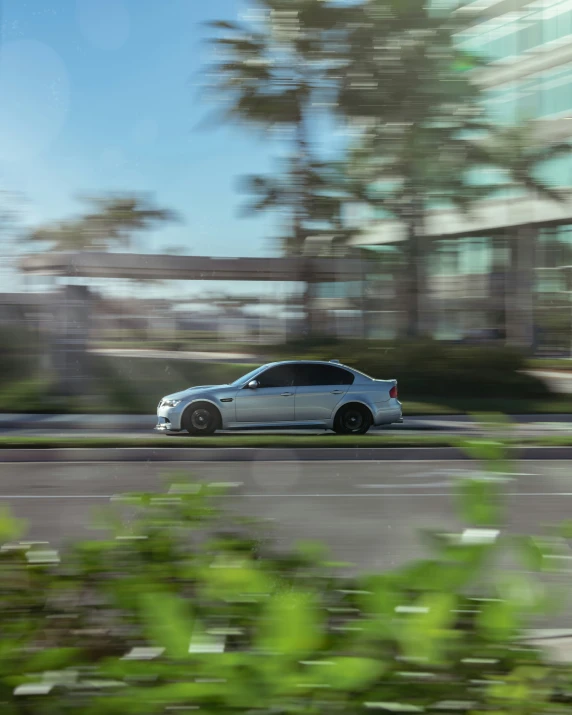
column 169, row 419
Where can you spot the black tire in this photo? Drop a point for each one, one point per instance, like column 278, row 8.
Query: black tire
column 353, row 419
column 201, row 419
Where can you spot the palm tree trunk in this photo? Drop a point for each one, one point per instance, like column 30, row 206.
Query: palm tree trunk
column 417, row 323
column 308, row 279
column 520, row 295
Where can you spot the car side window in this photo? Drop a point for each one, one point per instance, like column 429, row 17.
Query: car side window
column 279, row 376
column 322, row 375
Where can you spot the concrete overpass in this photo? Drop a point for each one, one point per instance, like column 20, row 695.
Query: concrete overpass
column 75, row 306
column 192, row 268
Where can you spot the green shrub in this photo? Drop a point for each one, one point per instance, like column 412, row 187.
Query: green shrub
column 19, row 354
column 237, row 626
column 429, row 369
column 28, row 395
column 135, row 385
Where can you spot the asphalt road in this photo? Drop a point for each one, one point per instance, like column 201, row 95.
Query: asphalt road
column 368, row 512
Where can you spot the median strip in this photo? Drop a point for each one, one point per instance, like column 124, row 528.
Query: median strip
column 294, row 442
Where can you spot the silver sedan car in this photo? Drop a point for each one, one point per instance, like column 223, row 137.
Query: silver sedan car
column 322, row 395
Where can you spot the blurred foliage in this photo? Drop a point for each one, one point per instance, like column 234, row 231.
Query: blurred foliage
column 19, row 353
column 33, row 394
column 429, row 368
column 110, row 222
column 420, row 136
column 442, row 375
column 181, row 606
column 136, row 385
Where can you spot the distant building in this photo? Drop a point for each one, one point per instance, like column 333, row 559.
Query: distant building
column 529, row 77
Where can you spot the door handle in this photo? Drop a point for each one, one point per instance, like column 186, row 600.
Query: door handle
column 337, row 392
column 286, row 394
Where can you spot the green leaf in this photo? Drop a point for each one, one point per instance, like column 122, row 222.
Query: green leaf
column 484, row 450
column 293, row 626
column 347, row 673
column 10, row 527
column 168, row 622
column 531, row 552
column 565, row 529
column 379, row 596
column 233, row 578
column 498, row 619
column 53, row 659
column 525, row 594
column 428, row 628
column 478, row 500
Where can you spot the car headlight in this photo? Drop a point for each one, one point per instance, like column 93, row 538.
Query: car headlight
column 170, row 403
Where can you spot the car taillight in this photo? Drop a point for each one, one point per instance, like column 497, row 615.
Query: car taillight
column 393, row 392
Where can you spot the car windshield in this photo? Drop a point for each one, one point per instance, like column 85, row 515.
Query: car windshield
column 245, row 378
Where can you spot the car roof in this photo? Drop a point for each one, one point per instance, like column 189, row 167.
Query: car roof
column 356, row 373
column 308, row 362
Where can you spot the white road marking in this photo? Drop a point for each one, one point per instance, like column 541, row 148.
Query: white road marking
column 430, row 485
column 57, row 496
column 270, row 495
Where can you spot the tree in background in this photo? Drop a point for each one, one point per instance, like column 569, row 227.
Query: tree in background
column 111, row 222
column 275, row 72
column 387, row 71
column 406, row 90
column 418, row 137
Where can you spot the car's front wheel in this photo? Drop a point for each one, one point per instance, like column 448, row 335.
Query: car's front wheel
column 201, row 419
column 353, row 419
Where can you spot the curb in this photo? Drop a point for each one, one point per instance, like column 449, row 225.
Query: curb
column 228, row 454
column 249, row 454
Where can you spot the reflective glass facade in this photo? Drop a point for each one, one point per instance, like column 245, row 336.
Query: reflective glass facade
column 506, row 37
column 544, row 95
column 471, row 278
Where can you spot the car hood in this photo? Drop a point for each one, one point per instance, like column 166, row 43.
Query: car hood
column 191, row 391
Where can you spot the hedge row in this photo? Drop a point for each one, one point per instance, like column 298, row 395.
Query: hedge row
column 427, row 371
column 430, row 369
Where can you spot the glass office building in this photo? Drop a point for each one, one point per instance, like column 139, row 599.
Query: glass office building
column 528, row 50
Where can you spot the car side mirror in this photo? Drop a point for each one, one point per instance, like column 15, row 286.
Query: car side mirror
column 253, row 384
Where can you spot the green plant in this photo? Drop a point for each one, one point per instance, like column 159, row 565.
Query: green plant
column 181, row 606
column 19, row 354
column 429, row 368
column 135, row 385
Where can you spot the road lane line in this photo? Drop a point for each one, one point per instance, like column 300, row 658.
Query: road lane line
column 429, row 485
column 270, row 495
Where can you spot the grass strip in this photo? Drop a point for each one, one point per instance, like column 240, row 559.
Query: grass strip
column 268, row 442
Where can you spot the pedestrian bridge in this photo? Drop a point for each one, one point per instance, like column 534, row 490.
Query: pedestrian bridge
column 192, row 268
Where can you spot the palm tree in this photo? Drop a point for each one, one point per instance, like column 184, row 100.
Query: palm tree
column 520, row 155
column 276, row 73
column 111, row 222
column 408, row 93
column 403, row 172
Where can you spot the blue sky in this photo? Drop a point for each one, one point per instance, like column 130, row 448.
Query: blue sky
column 102, row 95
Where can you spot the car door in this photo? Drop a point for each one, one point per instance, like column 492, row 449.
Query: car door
column 319, row 389
column 273, row 399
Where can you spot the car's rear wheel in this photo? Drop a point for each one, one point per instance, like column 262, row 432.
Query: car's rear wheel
column 353, row 419
column 201, row 419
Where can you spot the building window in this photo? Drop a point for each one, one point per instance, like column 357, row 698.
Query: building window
column 555, row 89
column 557, row 21
column 500, row 103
